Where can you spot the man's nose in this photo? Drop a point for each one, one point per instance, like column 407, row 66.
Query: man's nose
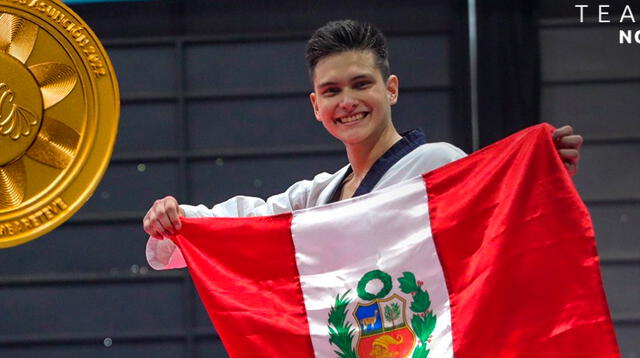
column 348, row 103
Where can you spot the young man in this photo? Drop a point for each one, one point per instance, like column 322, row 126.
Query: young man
column 353, row 92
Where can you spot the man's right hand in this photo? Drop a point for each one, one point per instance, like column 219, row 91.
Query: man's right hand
column 162, row 220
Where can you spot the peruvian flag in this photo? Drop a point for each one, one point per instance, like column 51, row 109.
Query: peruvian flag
column 490, row 256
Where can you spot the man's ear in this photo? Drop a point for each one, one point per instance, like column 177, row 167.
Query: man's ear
column 314, row 104
column 392, row 89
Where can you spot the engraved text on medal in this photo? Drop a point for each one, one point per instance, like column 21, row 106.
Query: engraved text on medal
column 28, row 222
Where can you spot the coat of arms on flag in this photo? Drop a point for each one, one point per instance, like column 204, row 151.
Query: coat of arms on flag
column 381, row 319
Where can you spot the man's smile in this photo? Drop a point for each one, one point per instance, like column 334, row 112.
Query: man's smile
column 352, row 118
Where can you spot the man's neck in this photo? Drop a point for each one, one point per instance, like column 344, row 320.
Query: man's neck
column 362, row 156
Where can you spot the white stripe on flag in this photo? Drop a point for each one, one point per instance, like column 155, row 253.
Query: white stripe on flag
column 363, row 234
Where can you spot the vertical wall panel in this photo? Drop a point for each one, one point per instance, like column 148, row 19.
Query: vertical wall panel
column 131, row 186
column 210, row 347
column 421, row 60
column 628, row 339
column 587, row 53
column 98, row 350
column 111, row 248
column 254, row 123
column 89, row 308
column 595, row 110
column 616, row 227
column 427, row 110
column 146, row 127
column 145, row 70
column 609, row 171
column 246, row 67
column 623, row 290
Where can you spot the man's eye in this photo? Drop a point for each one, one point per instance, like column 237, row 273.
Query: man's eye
column 362, row 84
column 331, row 91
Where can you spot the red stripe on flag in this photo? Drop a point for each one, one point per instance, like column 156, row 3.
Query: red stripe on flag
column 251, row 290
column 518, row 254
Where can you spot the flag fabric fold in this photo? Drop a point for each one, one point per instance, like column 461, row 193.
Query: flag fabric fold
column 490, row 256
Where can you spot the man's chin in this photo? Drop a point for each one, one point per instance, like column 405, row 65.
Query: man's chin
column 351, row 138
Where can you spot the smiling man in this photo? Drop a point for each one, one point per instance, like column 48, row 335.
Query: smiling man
column 353, row 91
column 353, row 101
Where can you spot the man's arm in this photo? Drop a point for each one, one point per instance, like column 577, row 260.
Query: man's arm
column 163, row 218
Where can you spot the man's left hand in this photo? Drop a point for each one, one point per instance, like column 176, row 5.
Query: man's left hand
column 568, row 146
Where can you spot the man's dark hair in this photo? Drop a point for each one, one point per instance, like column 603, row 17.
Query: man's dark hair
column 347, row 35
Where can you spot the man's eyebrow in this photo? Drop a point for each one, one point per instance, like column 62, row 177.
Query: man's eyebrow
column 328, row 83
column 359, row 77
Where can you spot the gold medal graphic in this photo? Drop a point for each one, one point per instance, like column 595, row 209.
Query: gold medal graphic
column 59, row 108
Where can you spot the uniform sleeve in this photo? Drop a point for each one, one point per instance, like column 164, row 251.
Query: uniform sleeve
column 455, row 153
column 164, row 255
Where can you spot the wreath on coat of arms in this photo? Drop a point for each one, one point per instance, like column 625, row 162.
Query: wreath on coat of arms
column 382, row 327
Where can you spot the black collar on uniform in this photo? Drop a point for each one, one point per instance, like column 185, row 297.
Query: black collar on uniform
column 410, row 140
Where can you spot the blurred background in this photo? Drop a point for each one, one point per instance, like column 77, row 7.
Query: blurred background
column 215, row 103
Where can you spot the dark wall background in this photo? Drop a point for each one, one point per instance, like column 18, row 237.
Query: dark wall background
column 592, row 82
column 214, row 103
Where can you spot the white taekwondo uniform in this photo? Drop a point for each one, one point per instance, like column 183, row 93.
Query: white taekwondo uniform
column 406, row 159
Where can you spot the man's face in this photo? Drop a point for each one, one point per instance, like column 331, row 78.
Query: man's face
column 351, row 99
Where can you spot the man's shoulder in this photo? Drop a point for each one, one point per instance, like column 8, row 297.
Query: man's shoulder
column 439, row 152
column 324, row 177
column 309, row 193
column 320, row 181
column 422, row 159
